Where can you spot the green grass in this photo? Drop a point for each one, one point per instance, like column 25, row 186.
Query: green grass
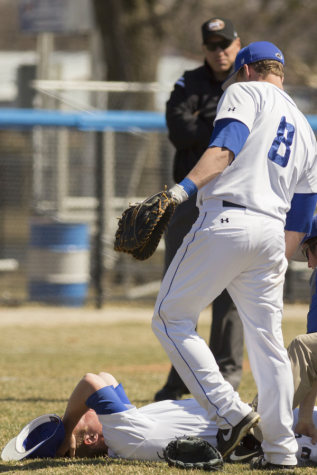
column 41, row 366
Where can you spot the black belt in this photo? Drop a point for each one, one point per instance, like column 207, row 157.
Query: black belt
column 228, row 204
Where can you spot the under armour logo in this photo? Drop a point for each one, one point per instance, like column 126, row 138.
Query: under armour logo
column 231, row 109
column 225, row 220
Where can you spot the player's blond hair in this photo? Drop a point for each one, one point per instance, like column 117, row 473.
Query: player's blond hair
column 268, row 66
column 85, row 450
column 82, row 449
column 312, row 243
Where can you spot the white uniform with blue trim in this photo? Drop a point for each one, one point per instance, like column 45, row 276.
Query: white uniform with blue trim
column 243, row 249
column 142, row 434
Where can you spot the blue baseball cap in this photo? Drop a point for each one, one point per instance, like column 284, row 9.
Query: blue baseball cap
column 40, row 438
column 252, row 53
column 298, row 256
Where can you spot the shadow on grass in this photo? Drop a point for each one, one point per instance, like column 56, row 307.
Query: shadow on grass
column 42, row 399
column 60, row 463
column 31, row 399
column 140, row 401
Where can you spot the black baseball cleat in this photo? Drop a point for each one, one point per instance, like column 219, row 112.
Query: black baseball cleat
column 259, row 463
column 248, row 449
column 228, row 439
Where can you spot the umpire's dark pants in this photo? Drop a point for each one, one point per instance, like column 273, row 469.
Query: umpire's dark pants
column 226, row 336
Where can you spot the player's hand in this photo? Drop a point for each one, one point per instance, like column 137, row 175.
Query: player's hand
column 68, row 447
column 307, row 428
column 179, row 194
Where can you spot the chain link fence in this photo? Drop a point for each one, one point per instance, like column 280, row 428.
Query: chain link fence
column 56, row 240
column 65, row 177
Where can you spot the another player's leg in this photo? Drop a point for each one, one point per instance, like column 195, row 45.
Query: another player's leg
column 226, row 338
column 179, row 226
column 197, row 275
column 302, row 353
column 258, row 294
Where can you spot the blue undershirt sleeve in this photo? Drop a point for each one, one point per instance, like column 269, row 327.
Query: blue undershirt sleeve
column 312, row 316
column 189, row 186
column 229, row 133
column 300, row 215
column 106, row 401
column 122, row 395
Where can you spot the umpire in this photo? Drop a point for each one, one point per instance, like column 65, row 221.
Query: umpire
column 190, row 113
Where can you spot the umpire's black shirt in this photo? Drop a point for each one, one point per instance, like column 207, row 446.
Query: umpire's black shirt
column 190, row 113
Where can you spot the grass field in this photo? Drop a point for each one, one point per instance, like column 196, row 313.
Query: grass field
column 42, row 360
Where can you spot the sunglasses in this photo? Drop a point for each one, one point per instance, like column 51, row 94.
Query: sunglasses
column 223, row 44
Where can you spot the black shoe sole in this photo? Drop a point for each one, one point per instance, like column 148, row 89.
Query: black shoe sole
column 270, row 466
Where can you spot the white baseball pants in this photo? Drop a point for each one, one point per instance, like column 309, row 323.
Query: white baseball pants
column 242, row 251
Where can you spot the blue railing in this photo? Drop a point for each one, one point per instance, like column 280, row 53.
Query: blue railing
column 98, row 120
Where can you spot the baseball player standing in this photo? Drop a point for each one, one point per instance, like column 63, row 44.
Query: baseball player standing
column 258, row 175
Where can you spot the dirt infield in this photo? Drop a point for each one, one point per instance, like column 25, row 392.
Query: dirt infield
column 56, row 316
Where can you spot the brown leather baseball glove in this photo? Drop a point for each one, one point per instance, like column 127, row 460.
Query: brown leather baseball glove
column 142, row 225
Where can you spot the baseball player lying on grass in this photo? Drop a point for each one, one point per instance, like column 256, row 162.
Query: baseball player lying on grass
column 100, row 419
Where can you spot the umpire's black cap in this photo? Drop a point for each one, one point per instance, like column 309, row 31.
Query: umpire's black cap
column 218, row 26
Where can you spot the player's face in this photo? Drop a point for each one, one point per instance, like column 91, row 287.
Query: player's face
column 223, row 57
column 311, row 254
column 90, row 421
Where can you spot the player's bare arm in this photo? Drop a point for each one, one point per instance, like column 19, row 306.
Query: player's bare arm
column 305, row 424
column 108, row 379
column 292, row 241
column 213, row 162
column 76, row 408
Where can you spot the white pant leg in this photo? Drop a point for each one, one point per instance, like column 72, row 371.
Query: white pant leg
column 212, row 254
column 258, row 295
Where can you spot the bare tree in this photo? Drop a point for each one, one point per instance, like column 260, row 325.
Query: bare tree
column 134, row 33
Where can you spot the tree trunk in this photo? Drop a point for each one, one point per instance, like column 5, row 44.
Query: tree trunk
column 131, row 48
